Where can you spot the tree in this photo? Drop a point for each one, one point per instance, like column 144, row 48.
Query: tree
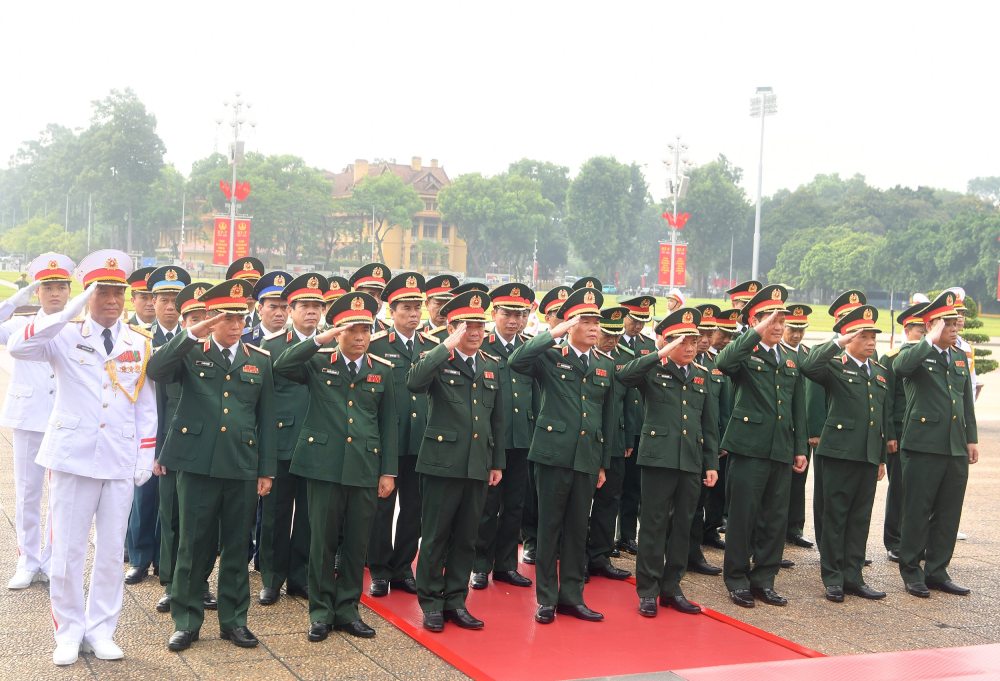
column 986, row 188
column 388, row 199
column 38, row 235
column 553, row 239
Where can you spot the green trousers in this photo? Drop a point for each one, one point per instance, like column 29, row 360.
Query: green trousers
column 604, row 514
column 797, row 503
column 210, row 508
column 450, row 517
column 669, row 499
column 893, row 501
column 933, row 494
column 284, row 531
column 169, row 536
column 500, row 526
column 340, row 518
column 758, row 515
column 817, row 468
column 848, row 496
column 564, row 499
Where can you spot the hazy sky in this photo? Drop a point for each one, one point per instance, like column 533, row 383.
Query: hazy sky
column 904, row 93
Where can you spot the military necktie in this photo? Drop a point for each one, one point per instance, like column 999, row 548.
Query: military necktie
column 409, row 346
column 472, row 365
column 169, row 335
column 352, row 369
column 777, row 356
column 631, row 344
column 868, row 370
column 109, row 344
column 943, row 358
column 226, row 358
column 585, row 359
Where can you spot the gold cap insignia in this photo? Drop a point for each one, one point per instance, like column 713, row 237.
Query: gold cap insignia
column 146, row 278
column 313, row 282
column 752, row 288
column 687, row 318
column 199, row 292
column 515, row 292
column 867, row 314
column 279, row 280
column 950, row 300
column 171, row 275
column 476, row 301
column 357, row 303
column 563, row 294
column 411, row 282
column 776, row 294
column 111, row 263
column 377, row 272
column 589, row 284
column 645, row 303
column 589, row 298
column 247, row 266
column 797, row 312
column 334, row 285
column 616, row 315
column 708, row 313
column 446, row 283
column 854, row 298
column 236, row 291
column 53, row 264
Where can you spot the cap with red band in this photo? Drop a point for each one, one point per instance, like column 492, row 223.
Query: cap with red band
column 861, row 318
column 942, row 307
column 911, row 315
column 372, row 275
column 771, row 298
column 514, row 296
column 354, row 307
column 440, row 286
column 189, row 299
column 640, row 308
column 709, row 316
column 246, row 268
column 681, row 322
column 728, row 320
column 109, row 267
column 310, row 286
column 336, row 287
column 137, row 281
column 744, row 291
column 229, row 296
column 470, row 306
column 798, row 315
column 847, row 301
column 582, row 302
column 404, row 286
column 51, row 267
column 553, row 300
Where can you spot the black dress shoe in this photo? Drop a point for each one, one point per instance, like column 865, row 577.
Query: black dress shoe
column 801, row 541
column 785, row 563
column 918, row 589
column 715, row 541
column 545, row 614
column 704, row 568
column 528, row 557
column 136, row 574
column 580, row 611
column 610, row 571
column 864, row 591
column 297, row 590
column 512, row 577
column 356, row 628
column 268, row 596
column 835, row 594
column 479, row 581
column 240, row 636
column 462, row 618
column 318, row 631
column 769, row 596
column 163, row 605
column 182, row 640
column 742, row 598
column 434, row 621
column 615, row 553
column 647, row 606
column 407, row 584
column 208, row 601
column 892, row 555
column 868, row 561
column 950, row 587
column 628, row 546
column 379, row 588
column 681, row 604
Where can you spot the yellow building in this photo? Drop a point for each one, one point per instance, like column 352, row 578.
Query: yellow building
column 428, row 245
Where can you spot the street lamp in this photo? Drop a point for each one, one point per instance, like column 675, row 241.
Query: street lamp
column 235, row 156
column 763, row 104
column 678, row 187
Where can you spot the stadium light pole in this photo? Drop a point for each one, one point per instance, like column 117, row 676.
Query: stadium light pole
column 763, row 104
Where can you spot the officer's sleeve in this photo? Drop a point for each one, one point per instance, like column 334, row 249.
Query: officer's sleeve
column 423, row 371
column 34, row 342
column 910, row 357
column 10, row 328
column 816, row 364
column 971, row 429
column 731, row 358
column 293, row 362
column 388, row 427
column 609, row 424
column 710, row 432
column 167, row 363
column 497, row 425
column 799, row 417
column 146, row 423
column 634, row 372
column 267, row 461
column 727, row 398
column 523, row 358
column 816, row 407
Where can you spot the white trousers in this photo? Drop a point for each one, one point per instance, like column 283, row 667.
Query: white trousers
column 76, row 502
column 29, row 480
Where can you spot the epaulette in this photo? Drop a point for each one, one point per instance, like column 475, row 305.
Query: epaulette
column 77, row 320
column 601, row 352
column 489, row 356
column 877, row 364
column 327, row 350
column 277, row 333
column 379, row 359
column 258, row 349
column 625, row 348
column 437, row 329
column 380, row 334
column 526, row 334
column 703, row 368
column 893, row 351
column 137, row 329
column 426, row 336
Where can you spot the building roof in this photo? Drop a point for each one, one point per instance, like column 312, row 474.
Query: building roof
column 426, row 180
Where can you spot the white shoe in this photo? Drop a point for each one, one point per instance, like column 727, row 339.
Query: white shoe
column 961, row 536
column 41, row 577
column 22, row 579
column 104, row 649
column 66, row 653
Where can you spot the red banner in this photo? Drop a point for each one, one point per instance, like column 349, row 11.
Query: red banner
column 680, row 266
column 220, row 241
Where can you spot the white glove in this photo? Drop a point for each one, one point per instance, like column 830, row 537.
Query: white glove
column 142, row 476
column 23, row 295
column 75, row 306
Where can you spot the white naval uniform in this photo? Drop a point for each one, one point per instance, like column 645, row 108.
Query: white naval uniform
column 30, row 398
column 96, row 442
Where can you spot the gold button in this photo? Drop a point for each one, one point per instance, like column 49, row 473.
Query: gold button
column 549, row 428
column 871, row 423
column 779, row 401
column 636, row 401
column 583, row 397
column 684, row 401
column 584, row 380
column 329, row 382
column 281, row 424
column 684, row 432
column 414, row 414
column 745, row 419
column 311, row 439
column 350, row 403
column 349, row 438
column 652, row 432
column 413, row 397
column 839, row 427
column 513, row 380
column 184, row 429
column 352, row 385
column 475, row 436
column 870, row 396
column 451, row 381
column 350, row 420
column 515, row 410
column 474, row 402
column 779, row 417
column 685, row 417
column 375, row 450
column 229, row 378
column 562, row 375
column 954, row 418
column 583, row 432
column 201, row 374
column 515, row 394
column 250, row 442
column 475, row 418
column 225, row 394
column 684, row 387
column 440, row 438
column 223, row 429
column 225, row 411
column 473, row 384
column 923, row 420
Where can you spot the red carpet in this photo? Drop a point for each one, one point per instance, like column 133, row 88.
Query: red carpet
column 514, row 646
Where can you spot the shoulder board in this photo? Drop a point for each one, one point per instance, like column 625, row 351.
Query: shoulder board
column 525, row 334
column 877, row 364
column 438, row 329
column 428, row 337
column 380, row 334
column 258, row 349
column 805, row 348
column 269, row 336
column 893, row 351
column 379, row 359
column 603, row 354
column 699, row 366
column 77, row 320
column 327, row 350
column 625, row 349
column 138, row 329
column 489, row 356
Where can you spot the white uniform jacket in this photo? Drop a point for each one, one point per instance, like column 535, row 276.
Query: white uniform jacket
column 31, row 393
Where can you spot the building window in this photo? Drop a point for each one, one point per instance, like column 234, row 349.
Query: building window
column 431, row 204
column 445, row 232
column 431, row 229
column 415, row 232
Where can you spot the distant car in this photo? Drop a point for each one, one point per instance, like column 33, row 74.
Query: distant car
column 610, row 288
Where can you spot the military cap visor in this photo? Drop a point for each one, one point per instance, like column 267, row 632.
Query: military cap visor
column 583, row 302
column 230, row 296
column 470, row 306
column 847, row 301
column 271, row 285
column 639, row 308
column 861, row 318
column 728, row 320
column 681, row 322
column 245, row 268
column 513, row 296
column 355, row 307
column 709, row 316
column 769, row 299
column 405, row 286
column 309, row 286
column 911, row 315
column 613, row 320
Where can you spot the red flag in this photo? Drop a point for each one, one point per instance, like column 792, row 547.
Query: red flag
column 242, row 190
column 226, row 189
column 676, row 221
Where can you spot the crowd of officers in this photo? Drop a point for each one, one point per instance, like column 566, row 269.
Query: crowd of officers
column 287, row 421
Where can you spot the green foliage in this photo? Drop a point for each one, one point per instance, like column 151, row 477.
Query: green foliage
column 553, row 239
column 392, row 201
column 38, row 235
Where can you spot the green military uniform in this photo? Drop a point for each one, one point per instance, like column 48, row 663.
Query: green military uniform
column 718, row 388
column 939, row 423
column 347, row 441
column 852, row 445
column 680, row 441
column 221, row 440
column 569, row 448
column 717, row 505
column 628, row 516
column 462, row 443
column 765, row 432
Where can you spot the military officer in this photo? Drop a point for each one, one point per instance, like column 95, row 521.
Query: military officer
column 913, row 332
column 607, row 499
column 98, row 445
column 346, row 451
column 462, row 453
column 390, row 560
column 248, row 269
column 271, row 307
column 30, row 398
column 717, row 506
column 960, row 343
column 440, row 332
column 551, row 302
column 192, row 311
column 853, row 444
column 437, row 292
column 284, row 531
column 371, row 279
column 569, row 448
column 639, row 345
column 499, row 528
column 939, row 442
column 143, row 538
column 678, row 452
column 587, row 282
column 142, row 299
column 740, row 295
column 675, row 299
column 765, row 438
column 221, row 442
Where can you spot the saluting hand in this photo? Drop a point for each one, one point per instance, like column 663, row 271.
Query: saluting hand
column 935, row 333
column 763, row 325
column 456, row 336
column 563, row 327
column 204, row 328
column 847, row 338
column 669, row 347
column 331, row 334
